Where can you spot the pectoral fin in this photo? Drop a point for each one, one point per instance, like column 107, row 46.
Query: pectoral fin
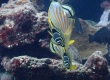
column 51, row 26
column 50, row 33
column 72, row 67
column 63, row 48
column 71, row 42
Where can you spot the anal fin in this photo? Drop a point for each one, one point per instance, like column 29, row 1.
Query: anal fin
column 71, row 42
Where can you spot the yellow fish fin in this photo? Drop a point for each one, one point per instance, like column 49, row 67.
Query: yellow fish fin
column 72, row 67
column 65, row 35
column 71, row 42
column 63, row 48
column 51, row 26
column 50, row 33
column 49, row 20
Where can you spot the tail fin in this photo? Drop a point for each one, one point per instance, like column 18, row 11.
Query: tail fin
column 91, row 38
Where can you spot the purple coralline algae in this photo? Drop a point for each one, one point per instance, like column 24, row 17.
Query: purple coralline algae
column 20, row 22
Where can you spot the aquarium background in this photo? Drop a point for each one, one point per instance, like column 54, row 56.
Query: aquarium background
column 48, row 64
column 85, row 9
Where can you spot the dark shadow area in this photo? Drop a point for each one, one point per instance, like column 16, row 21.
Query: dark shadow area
column 33, row 49
column 87, row 9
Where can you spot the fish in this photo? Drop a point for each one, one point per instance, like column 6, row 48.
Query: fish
column 71, row 12
column 64, row 54
column 77, row 25
column 57, row 37
column 67, row 61
column 56, row 49
column 61, row 23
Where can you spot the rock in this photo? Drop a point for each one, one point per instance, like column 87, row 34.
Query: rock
column 25, row 67
column 105, row 17
column 7, row 76
column 82, row 40
column 20, row 23
column 97, row 63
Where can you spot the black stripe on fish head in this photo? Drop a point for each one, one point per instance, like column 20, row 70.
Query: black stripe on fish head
column 54, row 31
column 68, row 11
column 66, row 61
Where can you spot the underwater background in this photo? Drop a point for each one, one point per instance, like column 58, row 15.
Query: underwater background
column 24, row 41
column 82, row 8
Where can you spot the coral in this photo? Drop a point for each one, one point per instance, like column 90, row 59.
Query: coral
column 105, row 17
column 25, row 67
column 20, row 22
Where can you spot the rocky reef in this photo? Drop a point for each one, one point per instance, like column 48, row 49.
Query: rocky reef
column 20, row 22
column 104, row 20
column 30, row 68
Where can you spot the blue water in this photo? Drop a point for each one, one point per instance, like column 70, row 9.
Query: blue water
column 85, row 9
